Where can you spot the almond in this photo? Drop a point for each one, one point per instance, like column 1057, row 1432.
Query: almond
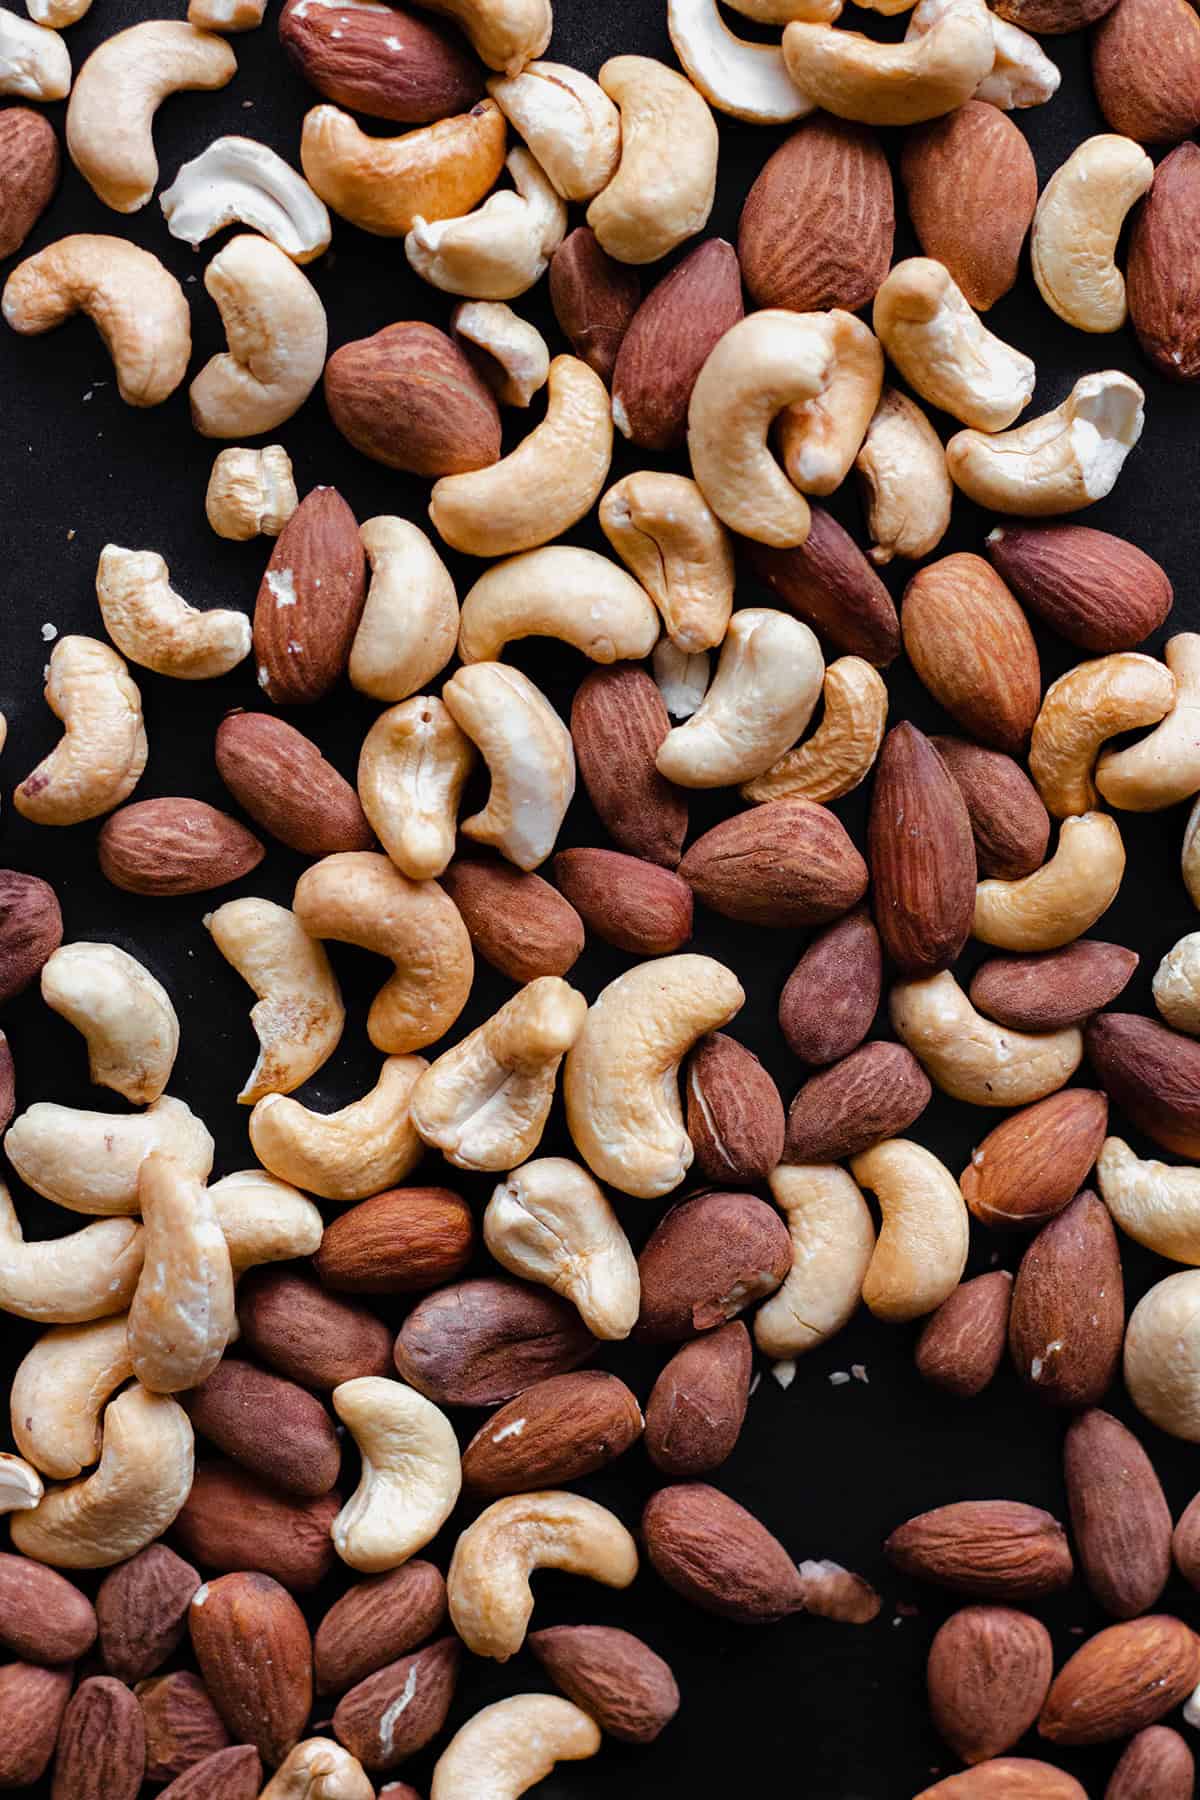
column 1119, row 1516
column 1008, row 1778
column 553, row 1433
column 594, row 299
column 409, row 398
column 1162, row 272
column 1035, row 1160
column 43, row 1617
column 1121, row 1680
column 1068, row 1309
column 876, row 1092
column 255, row 1654
column 616, row 1679
column 960, row 1347
column 618, row 721
column 1052, row 17
column 698, row 1404
column 312, row 1337
column 516, row 921
column 1152, row 1074
column 1009, row 822
column 310, row 601
column 383, row 62
column 400, row 1242
column 972, row 189
column 234, row 1774
column 831, row 1592
column 830, row 999
column 29, row 171
column 32, row 1703
column 181, row 1723
column 300, row 1453
column 988, row 1549
column 1185, row 1544
column 376, row 1621
column 1157, row 1765
column 8, row 1084
column 668, row 341
column 480, row 1341
column 395, row 1712
column 142, row 1608
column 718, row 1555
column 1146, row 69
column 971, row 646
column 922, row 855
column 101, row 1751
column 281, row 779
column 707, row 1259
column 175, row 846
column 828, row 582
column 786, row 863
column 633, row 904
column 734, row 1113
column 1062, row 987
column 231, row 1521
column 1096, row 590
column 988, row 1673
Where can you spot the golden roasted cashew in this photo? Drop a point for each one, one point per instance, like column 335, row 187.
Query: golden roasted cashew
column 319, row 1769
column 908, row 487
column 1177, row 985
column 782, row 12
column 820, row 438
column 893, row 84
column 251, row 492
column 88, row 1274
column 501, row 249
column 410, row 1473
column 409, row 624
column 663, row 528
column 550, row 1222
column 833, row 1240
column 1091, row 702
column 383, row 184
column 515, row 362
column 239, row 181
column 298, row 1015
column 510, row 1746
column 1073, row 241
column 925, row 1234
column 264, row 1220
column 663, row 189
column 275, row 324
column 1061, row 460
column 20, row 1484
column 90, row 1162
column 411, row 770
column 182, row 1314
column 945, row 351
column 1164, row 768
column 1061, row 900
column 567, row 120
column 60, row 1390
column 1162, row 1343
column 34, row 62
column 125, row 1015
column 1155, row 1203
column 156, row 628
column 842, row 750
column 505, row 34
column 529, row 754
column 360, row 1150
column 100, row 757
column 559, row 591
column 972, row 1058
column 748, row 80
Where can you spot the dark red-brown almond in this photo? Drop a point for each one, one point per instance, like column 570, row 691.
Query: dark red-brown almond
column 828, row 582
column 1098, row 591
column 876, row 1092
column 408, row 398
column 963, row 1342
column 43, row 1617
column 254, row 1651
column 1009, row 822
column 594, row 299
column 1121, row 1680
column 142, row 1607
column 1047, row 992
column 182, row 1725
column 281, row 779
column 1146, row 69
column 1157, row 1765
column 734, row 1112
column 1067, row 1322
column 618, row 721
column 390, row 1715
column 668, row 341
column 1162, row 270
column 231, row 1521
column 922, row 855
column 376, row 1621
column 480, row 1341
column 32, row 1703
column 553, row 1433
column 718, row 1555
column 29, row 171
column 101, row 1746
column 636, row 905
column 301, row 1453
column 31, row 928
column 1152, row 1074
column 234, row 1774
column 612, row 1675
column 988, row 1549
column 519, row 923
column 1120, row 1519
column 310, row 601
column 696, row 1407
column 988, row 1673
column 387, row 63
column 706, row 1260
column 831, row 997
column 174, row 846
column 1030, row 1165
column 787, row 863
column 313, row 1337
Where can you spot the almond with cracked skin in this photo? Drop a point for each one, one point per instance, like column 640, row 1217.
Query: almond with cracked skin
column 828, row 582
column 1007, row 1778
column 612, row 1675
column 972, row 648
column 972, row 188
column 404, row 1241
column 515, row 919
column 594, row 298
column 988, row 1674
column 1122, row 1680
column 874, row 1093
column 1162, row 271
column 698, row 1404
column 1156, row 1765
column 318, row 1339
column 552, row 1433
column 310, row 601
column 175, row 846
column 281, row 779
column 255, row 1654
column 1098, row 591
column 989, row 1549
column 381, row 61
column 667, row 343
column 719, row 1556
column 390, row 1715
column 480, row 1341
column 31, row 929
column 636, row 905
column 408, row 398
column 142, row 1608
column 1068, row 1308
column 1152, row 1074
column 832, row 995
column 101, row 1744
column 922, row 855
column 707, row 1259
column 233, row 1521
column 734, row 1113
column 376, row 1621
column 1120, row 1519
column 300, row 1454
column 1146, row 69
column 32, row 1703
column 43, row 1617
column 962, row 1344
column 1036, row 1160
column 233, row 1774
column 1009, row 821
column 787, row 863
column 29, row 169
column 181, row 1724
column 1059, row 988
column 618, row 721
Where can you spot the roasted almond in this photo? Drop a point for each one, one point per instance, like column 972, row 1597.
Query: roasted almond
column 698, row 1404
column 971, row 646
column 553, row 1433
column 1146, row 69
column 409, row 398
column 175, row 846
column 922, row 855
column 988, row 1549
column 612, row 1675
column 300, row 1453
column 29, row 170
column 381, row 61
column 1152, row 1074
column 1162, row 271
column 400, row 1242
column 281, row 779
column 43, row 1617
column 961, row 1346
column 255, row 1654
column 668, row 341
column 875, row 1092
column 310, row 600
column 1036, row 1159
column 181, row 1723
column 479, row 1341
column 1121, row 1680
column 1157, row 1765
column 734, row 1113
column 830, row 999
column 1007, row 1778
column 142, row 1609
column 972, row 189
column 376, row 1621
column 988, row 1673
column 1119, row 1517
column 1061, row 987
column 32, row 1703
column 8, row 1084
column 1009, row 822
column 101, row 1753
column 618, row 721
column 234, row 1774
column 393, row 1713
column 318, row 1339
column 31, row 928
column 718, row 1555
column 1098, row 591
column 516, row 920
column 707, row 1259
column 1185, row 1543
column 828, row 582
column 1052, row 17
column 633, row 904
column 594, row 299
column 787, row 863
column 1068, row 1308
column 232, row 1521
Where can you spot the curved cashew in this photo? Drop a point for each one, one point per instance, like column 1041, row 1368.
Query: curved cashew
column 1162, row 1356
column 893, row 84
column 510, row 1746
column 1061, row 460
column 364, row 1148
column 319, row 1769
column 1163, row 768
column 100, row 757
column 238, row 181
column 298, row 1016
column 514, row 362
column 1062, row 899
column 925, row 1234
column 541, row 488
column 550, row 1222
column 1154, row 1203
column 833, row 1240
column 359, row 897
column 484, row 1103
column 621, row 1082
column 1073, row 241
column 144, row 1477
column 90, row 1162
column 663, row 528
column 944, row 350
column 1091, row 702
column 971, row 1058
column 749, row 80
column 767, row 682
column 124, row 1013
column 117, row 92
column 1022, row 74
column 908, row 488
column 663, row 189
column 820, row 438
column 20, row 1484
column 60, row 1390
column 409, row 625
column 501, row 249
column 35, row 64
column 568, row 121
column 1177, row 985
column 842, row 750
column 410, row 1473
column 182, row 1314
column 411, row 770
column 251, row 491
column 275, row 324
column 264, row 1220
column 505, row 34
column 68, row 1280
column 155, row 627
column 768, row 361
column 529, row 754
column 559, row 591
column 488, row 1584
column 383, row 185
column 681, row 677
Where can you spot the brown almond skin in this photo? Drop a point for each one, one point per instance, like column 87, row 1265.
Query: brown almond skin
column 181, row 1723
column 988, row 1549
column 301, row 649
column 988, row 1674
column 734, row 1112
column 706, row 1260
column 1120, row 1519
column 618, row 721
column 1007, row 1778
column 43, row 1617
column 1050, row 18
column 922, row 855
column 8, row 1084
column 1156, row 1765
column 315, row 1338
column 668, row 341
column 101, row 1743
column 234, row 1774
column 300, row 1453
column 1036, row 1160
column 571, row 1425
column 1069, row 1293
column 1098, row 591
column 628, row 1690
column 1146, row 69
column 376, row 1621
column 830, row 999
column 142, row 1608
column 785, row 864
column 1162, row 270
column 635, row 905
column 1152, row 1074
column 698, row 1404
column 718, row 1555
column 972, row 189
column 1121, row 1680
column 1009, row 823
column 971, row 646
column 594, row 299
column 425, row 1679
column 403, row 1241
column 962, row 1344
column 391, row 65
column 32, row 1703
column 29, row 169
column 168, row 847
column 874, row 1093
column 516, row 921
column 1059, row 988
column 480, row 1341
column 255, row 1654
column 1185, row 1543
column 281, row 779
column 828, row 582
column 232, row 1521
column 409, row 398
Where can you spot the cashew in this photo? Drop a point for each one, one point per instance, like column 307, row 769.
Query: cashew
column 1154, row 1203
column 550, row 1222
column 893, row 84
column 1189, row 858
column 621, row 1082
column 226, row 15
column 842, row 750
column 510, row 1746
column 833, row 1240
column 944, row 350
column 60, row 1390
column 319, row 1769
column 411, row 770
column 275, row 324
column 767, row 683
column 820, row 438
column 559, row 591
column 925, row 1233
column 782, row 12
column 135, row 304
column 1021, row 75
column 238, row 181
column 1091, row 702
column 34, row 62
column 68, row 1280
column 364, row 1148
column 971, row 1058
column 57, row 14
column 100, row 757
column 1061, row 460
column 20, row 1484
column 410, row 1473
column 749, row 80
column 568, row 121
column 515, row 362
column 484, row 1103
column 298, row 1015
column 505, row 34
column 1163, row 768
column 264, row 1220
column 681, row 677
column 1162, row 1356
column 1061, row 900
column 1075, row 230
column 383, row 185
column 154, row 627
column 663, row 189
column 501, row 249
column 487, row 1587
column 768, row 361
column 110, row 119
column 359, row 897
column 409, row 624
column 541, row 488
column 664, row 530
column 251, row 492
column 182, row 1314
column 125, row 1015
column 144, row 1477
column 908, row 488
column 529, row 754
column 90, row 1162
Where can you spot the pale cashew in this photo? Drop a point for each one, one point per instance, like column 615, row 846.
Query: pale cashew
column 567, row 120
column 411, row 770
column 484, row 1103
column 663, row 528
column 551, row 1223
column 409, row 624
column 89, row 1274
column 57, row 14
column 359, row 897
column 238, row 181
column 820, row 438
column 514, row 362
column 264, row 1220
column 529, row 754
column 182, row 1314
column 971, row 1058
column 663, row 189
column 125, row 1015
column 681, row 676
column 110, row 119
column 382, row 185
column 1073, row 242
column 251, row 492
column 621, row 1082
column 100, row 757
column 1022, row 74
column 501, row 249
column 275, row 325
column 541, row 488
column 360, row 1150
column 945, row 351
column 1091, row 702
column 226, row 15
column 510, row 1746
column 35, row 64
column 20, row 1484
column 156, row 628
column 833, row 1240
column 1177, row 985
column 908, row 488
column 505, row 34
column 925, row 1233
column 1164, row 768
column 1154, row 1203
column 559, row 591
column 410, row 1473
column 767, row 683
column 1061, row 460
column 60, row 1390
column 842, row 750
column 893, row 84
column 319, row 1769
column 298, row 1015
column 488, row 1584
column 749, row 80
column 1061, row 900
column 1162, row 1356
column 144, row 1477
column 90, row 1162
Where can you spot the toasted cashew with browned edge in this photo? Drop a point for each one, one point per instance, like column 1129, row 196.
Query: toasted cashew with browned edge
column 488, row 1584
column 367, row 1146
column 410, row 1473
column 1073, row 240
column 1060, row 461
column 748, row 80
column 972, row 1058
column 1061, row 900
column 319, row 1769
column 681, row 677
column 238, row 181
column 20, row 1484
column 251, row 492
column 1155, row 1203
column 663, row 528
column 1164, row 768
column 125, row 1015
column 298, row 1015
column 501, row 249
column 70, row 1280
column 383, row 184
column 264, row 1219
column 35, row 64
column 100, row 757
column 510, row 1746
column 409, row 624
column 182, row 1314
column 925, row 1234
column 842, row 750
column 275, row 325
column 1177, row 985
column 621, row 1081
column 908, row 488
column 60, row 1390
column 833, row 1240
column 90, row 1162
column 411, row 770
column 1162, row 1342
column 663, row 189
column 156, row 628
column 893, row 84
column 568, row 121
column 820, row 438
column 529, row 755
column 1091, row 702
column 944, row 350
column 559, row 591
column 514, row 360
column 550, row 1222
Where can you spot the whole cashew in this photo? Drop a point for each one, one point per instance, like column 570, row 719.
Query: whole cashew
column 942, row 347
column 182, row 1314
column 663, row 528
column 35, row 64
column 319, row 1769
column 275, row 324
column 748, row 80
column 1164, row 768
column 510, row 1746
column 971, row 1058
column 298, row 1015
column 842, row 750
column 1177, row 985
column 1091, row 702
column 505, row 34
column 559, row 591
column 89, row 1274
column 90, row 1162
column 1075, row 230
column 1061, row 900
column 1155, row 1203
column 663, row 189
column 153, row 626
column 364, row 1148
column 550, row 1222
column 1061, row 460
column 1162, row 1348
column 238, row 181
column 100, row 757
column 621, row 1080
column 908, row 488
column 925, row 1234
column 893, row 84
column 251, row 491
column 124, row 1013
column 383, row 185
column 411, row 770
column 833, row 1241
column 60, row 1390
column 820, row 438
column 529, row 754
column 568, row 121
column 514, row 362
column 409, row 624
column 411, row 1475
column 264, row 1220
column 500, row 250
column 20, row 1484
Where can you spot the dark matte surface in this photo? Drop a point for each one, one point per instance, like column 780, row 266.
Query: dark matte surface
column 827, row 1712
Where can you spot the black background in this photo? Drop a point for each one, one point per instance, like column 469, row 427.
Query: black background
column 829, row 1712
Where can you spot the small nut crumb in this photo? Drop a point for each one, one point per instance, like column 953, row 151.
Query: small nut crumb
column 859, row 1372
column 49, row 632
column 784, row 1372
column 839, row 1378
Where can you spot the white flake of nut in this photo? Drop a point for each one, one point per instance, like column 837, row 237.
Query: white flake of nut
column 237, row 180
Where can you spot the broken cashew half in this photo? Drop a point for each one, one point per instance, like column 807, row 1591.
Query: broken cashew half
column 411, row 1474
column 568, row 121
column 182, row 1314
column 925, row 1234
column 559, row 591
column 972, row 1058
column 264, row 1220
column 529, row 754
column 1176, row 985
column 663, row 189
column 35, row 64
column 1073, row 242
column 319, row 1769
column 1058, row 462
column 908, row 488
column 100, row 757
column 854, row 77
column 90, row 1162
column 820, row 438
column 833, row 1240
column 1164, row 768
column 842, row 750
column 664, row 530
column 298, row 1015
column 125, row 1015
column 364, row 1148
column 251, row 492
column 60, row 1390
column 409, row 625
column 500, row 250
column 156, row 628
column 510, row 1746
column 748, row 80
column 1161, row 1344
column 550, row 1222
column 1154, row 1203
column 1061, row 900
column 513, row 358
column 384, row 184
column 944, row 350
column 238, row 181
column 1093, row 701
column 70, row 1280
column 275, row 325
column 411, row 770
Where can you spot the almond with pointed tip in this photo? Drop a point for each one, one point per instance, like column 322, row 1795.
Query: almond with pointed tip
column 553, row 1433
column 832, row 995
column 1059, row 988
column 1121, row 1680
column 972, row 648
column 719, row 1556
column 390, row 1715
column 1152, row 1074
column 1009, row 821
column 1119, row 1516
column 255, row 1654
column 876, row 1092
column 376, row 1621
column 1146, row 69
column 988, row 1549
column 962, row 1344
column 1067, row 1321
column 1157, row 1765
column 175, row 846
column 696, row 1407
column 310, row 601
column 922, row 855
column 594, row 299
column 972, row 188
column 828, row 582
column 618, row 1680
column 618, row 721
column 734, row 1113
column 281, row 779
column 668, row 341
column 1162, row 272
column 787, row 863
column 1098, row 591
column 1036, row 1160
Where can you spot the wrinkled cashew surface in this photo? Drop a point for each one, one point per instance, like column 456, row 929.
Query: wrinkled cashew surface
column 90, row 1162
column 664, row 530
column 1155, row 1203
column 568, row 121
column 363, row 1148
column 551, row 1222
column 1073, row 242
column 1164, row 767
column 842, row 750
column 409, row 624
column 156, row 628
column 1177, row 985
column 903, row 469
column 748, row 80
column 1061, row 900
column 499, row 251
column 1060, row 461
column 1091, row 702
column 510, row 1746
column 943, row 349
column 820, row 438
column 70, row 1280
column 60, row 1390
column 925, row 1234
column 298, row 1016
column 559, row 591
column 663, row 189
column 411, row 770
column 125, row 1015
column 100, row 757
column 410, row 1473
column 833, row 1240
column 529, row 755
column 893, row 84
column 251, row 492
column 238, row 181
column 972, row 1058
column 275, row 326
column 182, row 1314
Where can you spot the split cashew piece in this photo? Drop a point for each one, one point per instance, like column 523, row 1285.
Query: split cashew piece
column 944, row 350
column 568, row 121
column 1058, row 462
column 529, row 754
column 748, row 80
column 238, row 181
column 820, row 438
column 559, row 591
column 90, row 1162
column 767, row 683
column 100, row 757
column 663, row 189
column 551, row 1223
column 510, row 1746
column 35, row 64
column 20, row 1484
column 89, row 1274
column 1061, row 900
column 1091, row 702
column 182, row 1314
column 893, row 84
column 411, row 770
column 842, row 750
column 298, row 1015
column 1022, row 74
column 484, row 1103
column 1155, row 1203
column 319, row 1769
column 1177, row 985
column 664, row 530
column 411, row 1474
column 1079, row 217
column 925, row 1234
column 156, row 628
column 972, row 1058
column 275, row 325
column 264, row 1220
column 1162, row 1356
column 908, row 488
column 1163, row 768
column 681, row 677
column 125, row 1015
column 500, row 250
column 409, row 624
column 545, row 485
column 621, row 1082
column 515, row 362
column 487, row 1587
column 110, row 119
column 384, row 184
column 60, row 1390
column 359, row 897
column 833, row 1241
column 505, row 34
column 251, row 492
column 364, row 1148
